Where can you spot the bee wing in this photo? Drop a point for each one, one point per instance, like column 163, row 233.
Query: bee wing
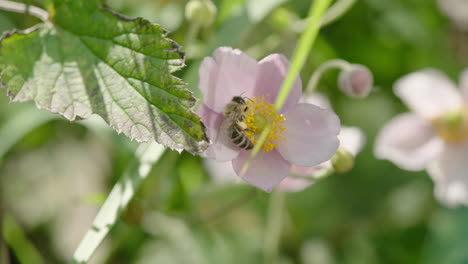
column 224, row 129
column 222, row 148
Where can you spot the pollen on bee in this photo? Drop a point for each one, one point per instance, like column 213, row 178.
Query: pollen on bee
column 261, row 112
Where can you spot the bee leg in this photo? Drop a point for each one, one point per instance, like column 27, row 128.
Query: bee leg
column 242, row 125
column 249, row 146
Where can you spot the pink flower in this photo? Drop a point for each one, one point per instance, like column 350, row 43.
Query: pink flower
column 456, row 11
column 351, row 138
column 434, row 136
column 302, row 134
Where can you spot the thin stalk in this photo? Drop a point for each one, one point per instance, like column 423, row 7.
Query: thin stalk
column 336, row 11
column 273, row 229
column 192, row 33
column 302, row 51
column 318, row 73
column 24, row 9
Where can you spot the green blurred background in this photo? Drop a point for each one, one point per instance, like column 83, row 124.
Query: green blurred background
column 55, row 177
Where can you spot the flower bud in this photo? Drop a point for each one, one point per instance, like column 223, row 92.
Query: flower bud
column 281, row 18
column 202, row 12
column 356, row 81
column 342, row 161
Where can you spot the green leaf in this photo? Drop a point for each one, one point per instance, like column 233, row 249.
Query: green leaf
column 90, row 60
column 122, row 192
column 19, row 243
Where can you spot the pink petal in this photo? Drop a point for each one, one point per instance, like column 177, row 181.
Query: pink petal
column 429, row 93
column 222, row 148
column 211, row 119
column 270, row 76
column 352, row 139
column 464, row 84
column 408, row 141
column 308, row 171
column 450, row 175
column 311, row 135
column 265, row 172
column 317, row 99
column 292, row 184
column 229, row 73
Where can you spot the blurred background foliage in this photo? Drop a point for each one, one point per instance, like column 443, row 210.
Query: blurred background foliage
column 55, row 177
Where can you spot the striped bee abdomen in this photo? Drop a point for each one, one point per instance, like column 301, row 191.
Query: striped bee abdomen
column 239, row 138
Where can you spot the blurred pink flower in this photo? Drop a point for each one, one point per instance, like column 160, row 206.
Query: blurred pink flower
column 434, row 136
column 456, row 11
column 302, row 134
column 351, row 139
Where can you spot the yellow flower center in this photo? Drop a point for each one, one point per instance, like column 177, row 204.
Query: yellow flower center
column 453, row 125
column 261, row 113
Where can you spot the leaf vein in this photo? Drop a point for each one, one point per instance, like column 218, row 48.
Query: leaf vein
column 114, row 101
column 152, row 104
column 123, row 59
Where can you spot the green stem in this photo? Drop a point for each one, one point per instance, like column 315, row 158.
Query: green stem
column 318, row 73
column 273, row 229
column 336, row 11
column 303, row 49
column 192, row 33
column 24, row 9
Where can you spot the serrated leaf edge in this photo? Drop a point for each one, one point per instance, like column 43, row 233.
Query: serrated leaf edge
column 202, row 145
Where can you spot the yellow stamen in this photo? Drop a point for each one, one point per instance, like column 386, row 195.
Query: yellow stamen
column 261, row 113
column 452, row 126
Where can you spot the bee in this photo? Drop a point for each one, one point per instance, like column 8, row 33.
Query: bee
column 235, row 112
